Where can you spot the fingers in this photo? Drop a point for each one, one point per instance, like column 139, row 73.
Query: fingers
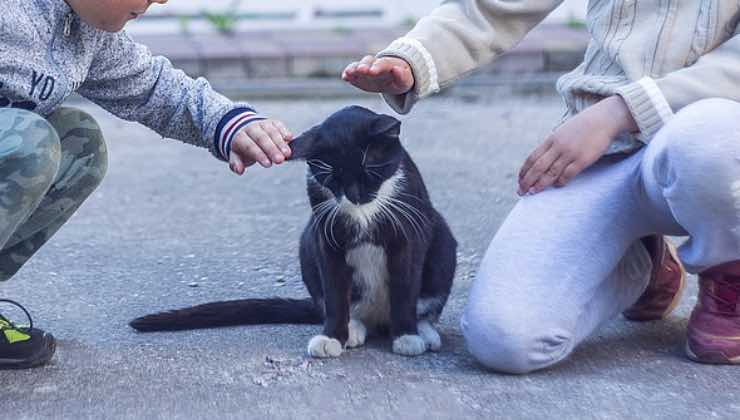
column 569, row 173
column 267, row 138
column 287, row 134
column 386, row 75
column 532, row 158
column 535, row 166
column 236, row 164
column 551, row 167
column 358, row 68
column 551, row 175
column 366, row 64
column 264, row 141
column 247, row 149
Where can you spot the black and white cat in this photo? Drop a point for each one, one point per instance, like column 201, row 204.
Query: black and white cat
column 375, row 254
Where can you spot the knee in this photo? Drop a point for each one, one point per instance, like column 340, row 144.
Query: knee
column 508, row 342
column 29, row 145
column 700, row 145
column 82, row 138
column 706, row 132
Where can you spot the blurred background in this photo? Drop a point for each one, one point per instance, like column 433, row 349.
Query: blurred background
column 251, row 47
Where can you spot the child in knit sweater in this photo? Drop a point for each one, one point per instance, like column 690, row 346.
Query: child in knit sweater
column 52, row 158
column 648, row 148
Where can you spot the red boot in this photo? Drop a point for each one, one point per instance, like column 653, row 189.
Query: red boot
column 714, row 326
column 666, row 285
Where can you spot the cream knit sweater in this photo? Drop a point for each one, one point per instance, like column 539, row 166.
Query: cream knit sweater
column 659, row 55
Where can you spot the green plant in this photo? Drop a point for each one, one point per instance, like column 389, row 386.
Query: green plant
column 575, row 23
column 342, row 30
column 184, row 23
column 409, row 22
column 226, row 21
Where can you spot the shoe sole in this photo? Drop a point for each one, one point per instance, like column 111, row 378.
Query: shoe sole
column 682, row 285
column 676, row 298
column 39, row 359
column 711, row 358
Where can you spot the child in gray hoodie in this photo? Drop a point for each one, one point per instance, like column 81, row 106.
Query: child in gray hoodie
column 52, row 158
column 649, row 147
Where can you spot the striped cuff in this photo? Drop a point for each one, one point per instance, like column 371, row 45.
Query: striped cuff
column 648, row 106
column 230, row 124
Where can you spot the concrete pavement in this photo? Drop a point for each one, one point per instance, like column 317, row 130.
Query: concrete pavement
column 171, row 227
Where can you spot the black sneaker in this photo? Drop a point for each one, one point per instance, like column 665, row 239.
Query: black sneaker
column 21, row 347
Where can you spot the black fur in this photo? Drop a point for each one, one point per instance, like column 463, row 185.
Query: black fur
column 235, row 312
column 350, row 157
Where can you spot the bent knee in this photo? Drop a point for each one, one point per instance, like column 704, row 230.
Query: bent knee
column 514, row 346
column 82, row 139
column 700, row 145
column 703, row 131
column 29, row 144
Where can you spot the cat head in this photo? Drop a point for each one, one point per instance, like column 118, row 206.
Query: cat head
column 352, row 153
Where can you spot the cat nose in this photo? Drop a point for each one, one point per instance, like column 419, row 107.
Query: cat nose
column 353, row 194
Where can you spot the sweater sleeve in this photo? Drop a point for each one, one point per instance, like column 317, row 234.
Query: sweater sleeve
column 716, row 74
column 460, row 36
column 127, row 80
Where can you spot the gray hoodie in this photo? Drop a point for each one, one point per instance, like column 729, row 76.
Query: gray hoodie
column 47, row 53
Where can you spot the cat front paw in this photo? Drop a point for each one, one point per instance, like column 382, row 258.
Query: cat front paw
column 409, row 345
column 324, row 347
column 357, row 334
column 430, row 335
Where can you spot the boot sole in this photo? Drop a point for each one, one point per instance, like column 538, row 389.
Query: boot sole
column 711, row 358
column 676, row 298
column 39, row 359
column 681, row 286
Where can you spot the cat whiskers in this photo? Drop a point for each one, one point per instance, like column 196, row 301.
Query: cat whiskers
column 321, row 210
column 379, row 165
column 392, row 208
column 332, row 219
column 415, row 218
column 320, row 164
column 375, row 174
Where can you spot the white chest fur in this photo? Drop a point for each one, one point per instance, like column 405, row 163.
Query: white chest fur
column 370, row 266
column 363, row 215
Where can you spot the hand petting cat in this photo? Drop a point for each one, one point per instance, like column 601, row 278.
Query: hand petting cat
column 381, row 75
column 571, row 148
column 575, row 145
column 263, row 141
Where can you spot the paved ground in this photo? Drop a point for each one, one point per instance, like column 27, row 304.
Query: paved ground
column 169, row 218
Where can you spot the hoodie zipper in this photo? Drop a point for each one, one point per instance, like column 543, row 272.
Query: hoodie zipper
column 68, row 24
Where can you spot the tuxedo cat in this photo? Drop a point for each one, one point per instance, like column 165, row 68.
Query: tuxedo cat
column 375, row 254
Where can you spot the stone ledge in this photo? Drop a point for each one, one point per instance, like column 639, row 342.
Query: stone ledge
column 321, row 53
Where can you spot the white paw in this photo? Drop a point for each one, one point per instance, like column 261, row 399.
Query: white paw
column 323, row 346
column 357, row 333
column 409, row 345
column 430, row 335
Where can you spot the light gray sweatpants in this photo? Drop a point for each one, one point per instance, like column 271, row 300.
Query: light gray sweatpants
column 567, row 260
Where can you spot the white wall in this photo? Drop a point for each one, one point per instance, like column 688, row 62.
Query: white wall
column 395, row 12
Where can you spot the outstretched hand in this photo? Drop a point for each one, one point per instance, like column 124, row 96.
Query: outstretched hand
column 575, row 145
column 389, row 75
column 263, row 141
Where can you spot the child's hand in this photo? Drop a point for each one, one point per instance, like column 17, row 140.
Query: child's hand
column 263, row 141
column 575, row 145
column 381, row 75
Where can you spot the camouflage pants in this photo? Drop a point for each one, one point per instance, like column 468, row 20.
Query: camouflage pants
column 48, row 167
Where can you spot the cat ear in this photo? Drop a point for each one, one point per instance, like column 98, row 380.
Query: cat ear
column 386, row 126
column 302, row 145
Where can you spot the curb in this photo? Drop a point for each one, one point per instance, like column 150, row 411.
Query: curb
column 325, row 53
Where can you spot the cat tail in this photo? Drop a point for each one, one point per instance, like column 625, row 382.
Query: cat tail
column 230, row 313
